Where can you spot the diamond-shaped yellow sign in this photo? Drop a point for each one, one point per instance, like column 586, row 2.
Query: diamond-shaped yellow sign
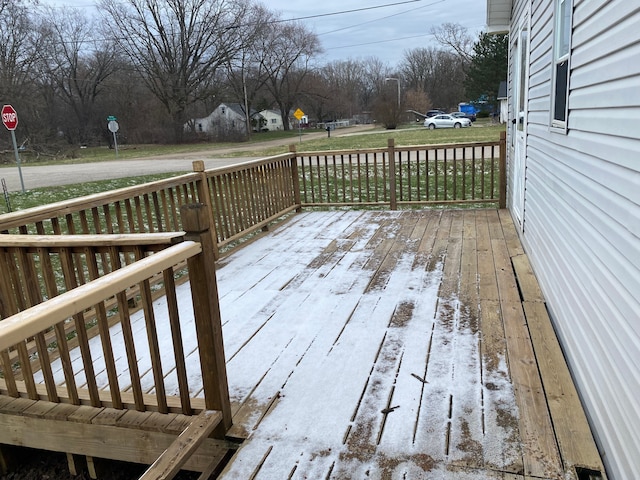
column 298, row 114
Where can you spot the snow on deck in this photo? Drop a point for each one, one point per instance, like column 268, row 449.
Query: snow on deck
column 363, row 344
column 350, row 326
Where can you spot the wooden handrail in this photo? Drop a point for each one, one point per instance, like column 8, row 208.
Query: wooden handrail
column 70, row 241
column 23, row 217
column 36, row 319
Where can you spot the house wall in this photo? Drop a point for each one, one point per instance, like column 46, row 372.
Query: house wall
column 224, row 121
column 582, row 212
column 273, row 119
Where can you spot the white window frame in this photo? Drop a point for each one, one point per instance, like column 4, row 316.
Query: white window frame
column 561, row 63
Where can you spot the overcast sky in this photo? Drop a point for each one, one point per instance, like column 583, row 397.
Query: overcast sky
column 357, row 29
column 384, row 32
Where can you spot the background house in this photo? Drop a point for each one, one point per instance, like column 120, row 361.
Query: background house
column 227, row 121
column 272, row 120
column 574, row 192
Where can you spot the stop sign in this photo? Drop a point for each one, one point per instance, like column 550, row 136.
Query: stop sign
column 9, row 117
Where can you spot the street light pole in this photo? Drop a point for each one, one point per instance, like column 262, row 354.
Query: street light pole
column 396, row 80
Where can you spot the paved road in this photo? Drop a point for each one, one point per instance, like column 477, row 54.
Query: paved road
column 55, row 175
column 37, row 176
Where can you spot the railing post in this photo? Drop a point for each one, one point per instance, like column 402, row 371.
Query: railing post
column 206, row 309
column 295, row 177
column 503, row 170
column 391, row 144
column 204, row 196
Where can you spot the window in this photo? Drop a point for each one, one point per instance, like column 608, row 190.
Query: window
column 561, row 50
column 274, row 120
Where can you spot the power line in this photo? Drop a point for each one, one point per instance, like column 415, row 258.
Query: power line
column 342, row 12
column 381, row 18
column 379, row 41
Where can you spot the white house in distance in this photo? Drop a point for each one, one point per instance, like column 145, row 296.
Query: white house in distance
column 574, row 193
column 272, row 120
column 227, row 119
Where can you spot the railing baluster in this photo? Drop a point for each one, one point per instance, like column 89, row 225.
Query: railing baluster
column 473, row 172
column 103, row 328
column 7, row 374
column 62, row 348
column 417, row 180
column 176, row 336
column 127, row 334
column 67, row 262
column 426, row 175
column 359, row 176
column 152, row 338
column 393, row 204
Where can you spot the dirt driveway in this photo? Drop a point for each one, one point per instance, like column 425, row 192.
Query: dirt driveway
column 54, row 175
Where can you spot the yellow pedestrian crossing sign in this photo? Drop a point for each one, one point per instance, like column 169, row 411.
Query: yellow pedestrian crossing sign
column 298, row 114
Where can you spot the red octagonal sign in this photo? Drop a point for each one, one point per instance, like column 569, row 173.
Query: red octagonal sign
column 9, row 117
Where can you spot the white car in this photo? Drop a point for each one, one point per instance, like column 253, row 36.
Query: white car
column 446, row 121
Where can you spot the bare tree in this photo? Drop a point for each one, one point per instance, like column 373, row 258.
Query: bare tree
column 388, row 106
column 417, row 100
column 245, row 72
column 346, row 82
column 418, row 68
column 19, row 84
column 77, row 65
column 455, row 37
column 18, row 48
column 177, row 46
column 375, row 71
column 438, row 73
column 287, row 54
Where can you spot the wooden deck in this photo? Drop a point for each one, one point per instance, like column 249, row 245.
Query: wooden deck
column 377, row 344
column 410, row 344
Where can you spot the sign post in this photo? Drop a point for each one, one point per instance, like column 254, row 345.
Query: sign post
column 299, row 114
column 113, row 128
column 10, row 121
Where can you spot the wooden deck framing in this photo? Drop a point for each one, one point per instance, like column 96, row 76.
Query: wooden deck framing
column 410, row 344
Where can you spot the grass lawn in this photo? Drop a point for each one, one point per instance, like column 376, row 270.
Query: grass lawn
column 408, row 135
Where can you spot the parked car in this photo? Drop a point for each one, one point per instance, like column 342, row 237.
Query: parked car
column 446, row 121
column 433, row 113
column 470, row 116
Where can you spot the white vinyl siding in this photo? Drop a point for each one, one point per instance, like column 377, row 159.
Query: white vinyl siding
column 582, row 215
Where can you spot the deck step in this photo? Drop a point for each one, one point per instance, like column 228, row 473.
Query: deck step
column 174, row 457
column 123, row 435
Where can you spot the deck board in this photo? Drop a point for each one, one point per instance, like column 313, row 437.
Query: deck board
column 396, row 353
column 378, row 345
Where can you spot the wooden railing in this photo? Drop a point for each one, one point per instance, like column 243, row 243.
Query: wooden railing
column 249, row 196
column 59, row 347
column 148, row 208
column 246, row 197
column 418, row 175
